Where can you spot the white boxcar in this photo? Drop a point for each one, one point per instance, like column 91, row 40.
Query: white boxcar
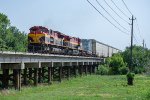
column 98, row 48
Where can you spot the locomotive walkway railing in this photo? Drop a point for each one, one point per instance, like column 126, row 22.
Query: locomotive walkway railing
column 20, row 68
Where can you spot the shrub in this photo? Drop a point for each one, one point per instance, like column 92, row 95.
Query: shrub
column 103, row 70
column 124, row 70
column 130, row 78
column 115, row 63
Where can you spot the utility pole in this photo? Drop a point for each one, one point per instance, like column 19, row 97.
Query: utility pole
column 143, row 43
column 131, row 67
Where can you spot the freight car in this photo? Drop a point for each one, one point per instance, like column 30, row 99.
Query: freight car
column 97, row 48
column 43, row 40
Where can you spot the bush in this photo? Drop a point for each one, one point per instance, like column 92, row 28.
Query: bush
column 130, row 78
column 103, row 70
column 115, row 63
column 124, row 70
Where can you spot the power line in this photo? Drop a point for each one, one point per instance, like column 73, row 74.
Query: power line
column 127, row 7
column 111, row 16
column 106, row 17
column 135, row 39
column 116, row 12
column 139, row 30
column 119, row 9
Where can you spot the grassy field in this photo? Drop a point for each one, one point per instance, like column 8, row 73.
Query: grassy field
column 92, row 87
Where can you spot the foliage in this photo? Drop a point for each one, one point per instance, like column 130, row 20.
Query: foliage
column 130, row 78
column 102, row 70
column 115, row 63
column 11, row 38
column 140, row 60
column 123, row 70
column 130, row 75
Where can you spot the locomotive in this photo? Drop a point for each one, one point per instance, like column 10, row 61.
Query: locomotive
column 44, row 40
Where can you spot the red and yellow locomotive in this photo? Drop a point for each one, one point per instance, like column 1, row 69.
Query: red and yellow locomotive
column 40, row 39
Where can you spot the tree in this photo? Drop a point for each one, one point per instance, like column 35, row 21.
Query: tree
column 4, row 24
column 140, row 58
column 11, row 38
column 115, row 63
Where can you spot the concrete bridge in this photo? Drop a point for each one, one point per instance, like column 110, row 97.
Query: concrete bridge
column 19, row 68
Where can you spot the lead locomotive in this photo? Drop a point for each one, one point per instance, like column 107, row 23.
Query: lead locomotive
column 43, row 40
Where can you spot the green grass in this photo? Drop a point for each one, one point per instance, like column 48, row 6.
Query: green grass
column 92, row 87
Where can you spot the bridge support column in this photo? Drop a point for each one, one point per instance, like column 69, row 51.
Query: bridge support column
column 75, row 66
column 85, row 69
column 35, row 76
column 39, row 75
column 60, row 73
column 90, row 65
column 43, row 73
column 68, row 72
column 75, row 71
column 5, row 80
column 49, row 75
column 98, row 63
column 17, row 78
column 30, row 73
column 81, row 68
column 52, row 73
column 25, row 76
column 93, row 68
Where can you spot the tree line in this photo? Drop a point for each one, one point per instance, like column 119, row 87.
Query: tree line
column 11, row 39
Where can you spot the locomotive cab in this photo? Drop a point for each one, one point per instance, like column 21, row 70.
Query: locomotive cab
column 37, row 37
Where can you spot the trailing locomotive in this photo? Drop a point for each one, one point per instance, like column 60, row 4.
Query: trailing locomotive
column 42, row 40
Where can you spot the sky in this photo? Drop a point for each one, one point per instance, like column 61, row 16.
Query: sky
column 78, row 18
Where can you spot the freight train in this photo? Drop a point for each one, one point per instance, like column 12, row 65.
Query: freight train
column 44, row 40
